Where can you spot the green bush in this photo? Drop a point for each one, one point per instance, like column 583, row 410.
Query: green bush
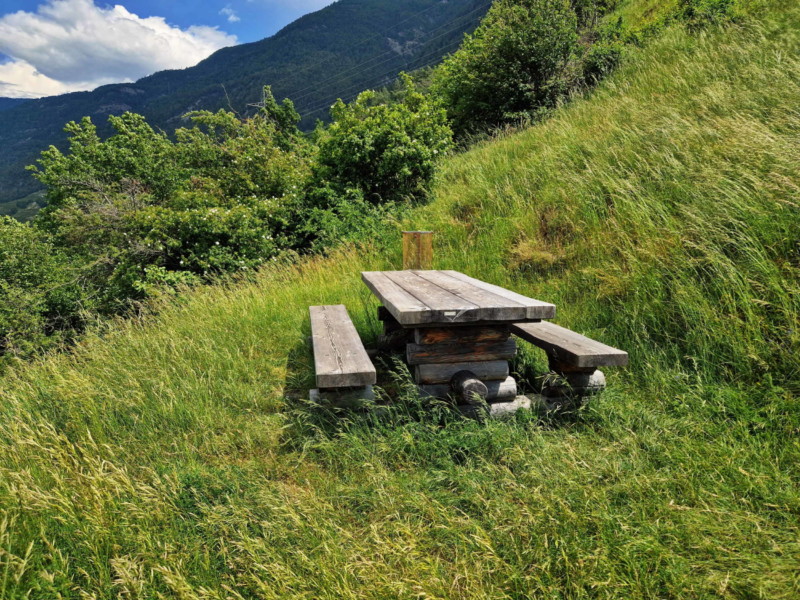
column 218, row 199
column 387, row 152
column 513, row 63
column 700, row 12
column 40, row 296
column 342, row 217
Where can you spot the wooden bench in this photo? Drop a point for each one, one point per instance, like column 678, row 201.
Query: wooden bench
column 572, row 356
column 344, row 373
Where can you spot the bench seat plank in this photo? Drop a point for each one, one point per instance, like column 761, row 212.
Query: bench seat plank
column 569, row 347
column 340, row 359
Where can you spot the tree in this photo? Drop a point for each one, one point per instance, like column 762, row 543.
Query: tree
column 386, row 152
column 143, row 209
column 513, row 64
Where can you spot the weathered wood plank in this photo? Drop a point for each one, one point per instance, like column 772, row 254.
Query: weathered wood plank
column 442, row 373
column 491, row 306
column 444, row 306
column 462, row 335
column 497, row 391
column 407, row 309
column 568, row 347
column 340, row 359
column 536, row 309
column 417, row 354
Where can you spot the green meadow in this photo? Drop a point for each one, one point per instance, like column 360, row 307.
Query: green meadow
column 172, row 455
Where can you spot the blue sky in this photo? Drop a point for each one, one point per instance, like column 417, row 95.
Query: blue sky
column 51, row 47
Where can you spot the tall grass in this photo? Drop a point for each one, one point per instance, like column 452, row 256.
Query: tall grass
column 166, row 458
column 661, row 212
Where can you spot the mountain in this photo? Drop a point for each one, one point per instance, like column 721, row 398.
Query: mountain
column 6, row 103
column 338, row 51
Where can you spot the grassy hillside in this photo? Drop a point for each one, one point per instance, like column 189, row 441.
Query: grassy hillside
column 166, row 458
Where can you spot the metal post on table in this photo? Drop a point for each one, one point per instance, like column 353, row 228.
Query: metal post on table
column 417, row 250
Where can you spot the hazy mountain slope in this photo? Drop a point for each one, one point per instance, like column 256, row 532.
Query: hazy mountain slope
column 660, row 214
column 6, row 103
column 336, row 52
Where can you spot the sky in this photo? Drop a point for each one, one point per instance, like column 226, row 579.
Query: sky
column 50, row 47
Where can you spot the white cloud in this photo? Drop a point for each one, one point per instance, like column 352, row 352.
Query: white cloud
column 230, row 14
column 70, row 45
column 20, row 79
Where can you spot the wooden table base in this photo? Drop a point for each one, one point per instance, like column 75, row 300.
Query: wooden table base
column 437, row 355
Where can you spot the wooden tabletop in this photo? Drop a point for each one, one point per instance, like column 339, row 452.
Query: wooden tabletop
column 450, row 297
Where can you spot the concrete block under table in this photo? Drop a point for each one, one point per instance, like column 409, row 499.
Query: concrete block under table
column 504, row 410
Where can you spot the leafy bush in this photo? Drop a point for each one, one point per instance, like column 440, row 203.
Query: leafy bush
column 513, row 63
column 700, row 12
column 386, row 152
column 40, row 296
column 218, row 199
column 347, row 217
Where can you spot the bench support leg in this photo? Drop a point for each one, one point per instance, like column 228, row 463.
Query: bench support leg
column 573, row 383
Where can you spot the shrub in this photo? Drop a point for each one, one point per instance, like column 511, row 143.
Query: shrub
column 512, row 64
column 701, row 12
column 218, row 199
column 386, row 152
column 40, row 297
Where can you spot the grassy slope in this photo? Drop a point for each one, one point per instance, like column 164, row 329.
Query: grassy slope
column 660, row 214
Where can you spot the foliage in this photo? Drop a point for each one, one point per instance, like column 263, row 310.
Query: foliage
column 527, row 55
column 40, row 298
column 703, row 12
column 337, row 218
column 218, row 199
column 514, row 63
column 387, row 152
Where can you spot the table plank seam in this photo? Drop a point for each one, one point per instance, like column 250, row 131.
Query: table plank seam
column 457, row 311
column 500, row 298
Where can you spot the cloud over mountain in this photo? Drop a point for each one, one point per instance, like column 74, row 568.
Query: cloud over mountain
column 71, row 45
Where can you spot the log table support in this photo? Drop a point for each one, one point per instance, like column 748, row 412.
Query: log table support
column 466, row 364
column 448, row 322
column 468, row 389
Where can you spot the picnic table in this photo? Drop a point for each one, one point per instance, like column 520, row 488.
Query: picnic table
column 458, row 329
column 458, row 334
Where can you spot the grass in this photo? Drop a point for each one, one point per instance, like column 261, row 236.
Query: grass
column 165, row 458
